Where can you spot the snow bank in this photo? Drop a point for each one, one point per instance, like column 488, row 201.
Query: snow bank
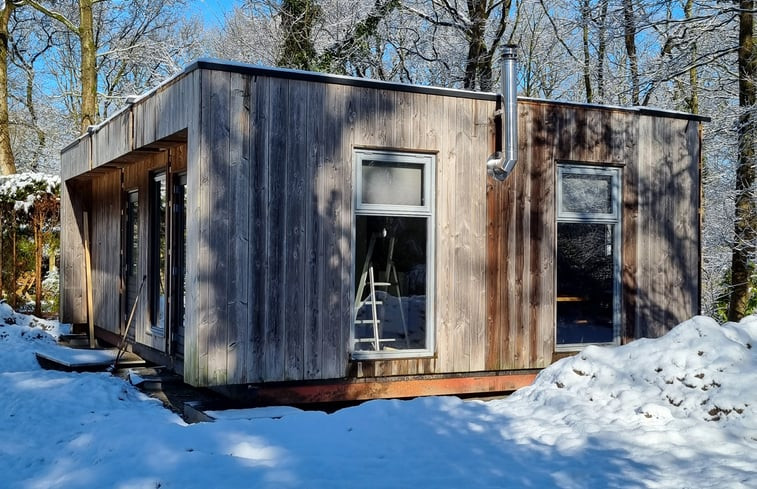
column 674, row 412
column 698, row 370
column 21, row 335
column 684, row 403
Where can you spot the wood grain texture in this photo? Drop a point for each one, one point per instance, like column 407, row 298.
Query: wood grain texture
column 239, row 240
column 73, row 200
column 113, row 139
column 76, row 159
column 668, row 216
column 105, row 237
column 216, row 89
column 270, row 262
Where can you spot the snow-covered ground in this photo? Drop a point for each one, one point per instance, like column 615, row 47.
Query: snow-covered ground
column 676, row 412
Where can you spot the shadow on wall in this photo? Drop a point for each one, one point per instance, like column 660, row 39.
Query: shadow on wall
column 279, row 182
column 660, row 254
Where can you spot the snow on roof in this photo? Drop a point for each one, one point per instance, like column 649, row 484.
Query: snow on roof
column 678, row 411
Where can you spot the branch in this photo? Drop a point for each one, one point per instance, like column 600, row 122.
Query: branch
column 52, row 14
column 557, row 33
column 434, row 21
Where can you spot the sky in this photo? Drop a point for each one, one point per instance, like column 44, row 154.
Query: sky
column 213, row 11
column 675, row 412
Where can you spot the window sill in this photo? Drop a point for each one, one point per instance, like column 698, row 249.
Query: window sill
column 159, row 333
column 573, row 348
column 390, row 355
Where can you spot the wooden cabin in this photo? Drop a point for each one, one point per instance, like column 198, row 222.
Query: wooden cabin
column 307, row 237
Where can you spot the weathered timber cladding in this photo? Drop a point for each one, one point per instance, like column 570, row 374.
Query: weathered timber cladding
column 113, row 139
column 283, row 311
column 76, row 158
column 269, row 162
column 73, row 200
column 668, row 223
column 170, row 109
column 105, row 239
column 660, row 224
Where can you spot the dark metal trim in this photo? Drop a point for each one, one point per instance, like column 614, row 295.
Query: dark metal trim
column 256, row 70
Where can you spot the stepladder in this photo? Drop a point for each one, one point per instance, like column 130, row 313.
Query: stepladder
column 379, row 299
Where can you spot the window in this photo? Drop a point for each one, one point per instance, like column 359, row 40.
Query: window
column 131, row 250
column 588, row 256
column 179, row 267
column 393, row 244
column 158, row 251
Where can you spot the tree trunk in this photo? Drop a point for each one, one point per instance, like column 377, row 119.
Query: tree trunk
column 37, row 221
column 745, row 226
column 474, row 63
column 693, row 100
column 298, row 18
column 629, row 30
column 585, row 15
column 2, row 227
column 602, row 51
column 88, row 65
column 14, row 266
column 7, row 161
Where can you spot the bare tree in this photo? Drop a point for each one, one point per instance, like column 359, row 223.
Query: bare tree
column 482, row 24
column 745, row 225
column 85, row 34
column 7, row 160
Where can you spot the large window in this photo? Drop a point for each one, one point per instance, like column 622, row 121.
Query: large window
column 393, row 284
column 131, row 250
column 588, row 256
column 179, row 255
column 158, row 251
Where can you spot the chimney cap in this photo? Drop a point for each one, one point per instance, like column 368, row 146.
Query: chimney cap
column 510, row 51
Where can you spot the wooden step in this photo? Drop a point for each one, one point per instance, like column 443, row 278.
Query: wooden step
column 85, row 360
column 74, row 340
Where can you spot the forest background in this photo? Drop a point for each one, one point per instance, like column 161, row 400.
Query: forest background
column 69, row 64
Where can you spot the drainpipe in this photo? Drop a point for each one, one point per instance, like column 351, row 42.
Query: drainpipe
column 501, row 163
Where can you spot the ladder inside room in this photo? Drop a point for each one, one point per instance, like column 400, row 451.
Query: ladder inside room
column 390, row 283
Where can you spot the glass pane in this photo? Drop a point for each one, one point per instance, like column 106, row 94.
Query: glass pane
column 394, row 249
column 131, row 260
column 159, row 249
column 392, row 183
column 585, row 283
column 587, row 193
column 180, row 246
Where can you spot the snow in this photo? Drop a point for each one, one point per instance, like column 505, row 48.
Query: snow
column 673, row 412
column 23, row 189
column 81, row 357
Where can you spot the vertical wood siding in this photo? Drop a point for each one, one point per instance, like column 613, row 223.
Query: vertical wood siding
column 660, row 225
column 276, row 209
column 668, row 224
column 105, row 238
column 269, row 238
column 73, row 200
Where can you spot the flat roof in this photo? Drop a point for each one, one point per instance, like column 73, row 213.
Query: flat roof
column 291, row 74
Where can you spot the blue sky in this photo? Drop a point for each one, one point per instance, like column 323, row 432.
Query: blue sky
column 213, row 10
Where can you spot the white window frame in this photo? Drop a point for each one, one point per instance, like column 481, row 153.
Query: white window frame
column 426, row 210
column 613, row 218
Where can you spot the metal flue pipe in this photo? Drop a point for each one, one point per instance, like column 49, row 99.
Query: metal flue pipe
column 501, row 163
